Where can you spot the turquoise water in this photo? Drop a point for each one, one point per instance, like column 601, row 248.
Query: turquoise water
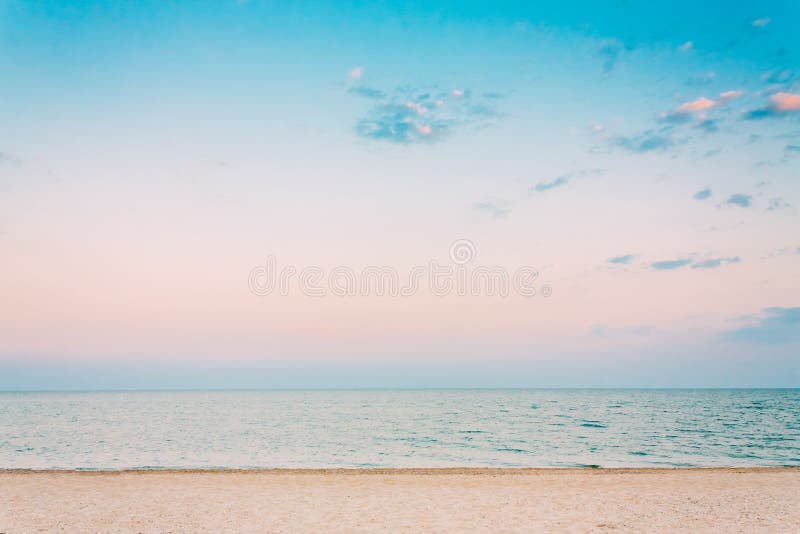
column 536, row 428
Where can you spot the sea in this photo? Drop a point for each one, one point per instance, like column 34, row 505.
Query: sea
column 399, row 429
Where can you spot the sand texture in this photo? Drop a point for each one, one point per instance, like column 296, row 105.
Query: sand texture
column 460, row 500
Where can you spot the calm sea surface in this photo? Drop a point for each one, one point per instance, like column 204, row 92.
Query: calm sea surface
column 536, row 428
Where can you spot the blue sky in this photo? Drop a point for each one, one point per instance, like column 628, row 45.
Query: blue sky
column 643, row 156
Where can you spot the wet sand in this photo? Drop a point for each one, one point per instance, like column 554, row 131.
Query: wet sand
column 407, row 500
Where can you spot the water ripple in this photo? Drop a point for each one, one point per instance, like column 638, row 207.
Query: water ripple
column 513, row 428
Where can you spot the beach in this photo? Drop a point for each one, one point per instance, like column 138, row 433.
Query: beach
column 403, row 500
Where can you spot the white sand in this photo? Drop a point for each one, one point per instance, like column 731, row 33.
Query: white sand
column 721, row 500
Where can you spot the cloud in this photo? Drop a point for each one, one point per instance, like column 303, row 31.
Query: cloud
column 738, row 199
column 355, row 73
column 419, row 109
column 609, row 51
column 698, row 108
column 759, row 113
column 761, row 23
column 400, row 124
column 10, row 159
column 686, row 47
column 648, row 141
column 776, row 325
column 779, row 104
column 776, row 204
column 711, row 263
column 407, row 115
column 785, row 102
column 701, row 104
column 546, row 186
column 779, row 76
column 622, row 260
column 701, row 79
column 492, row 209
column 715, row 262
column 707, row 125
column 483, row 110
column 728, row 95
column 668, row 265
column 703, row 194
column 769, row 163
column 565, row 179
column 367, row 92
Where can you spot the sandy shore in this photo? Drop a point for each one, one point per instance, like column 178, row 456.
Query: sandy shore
column 508, row 500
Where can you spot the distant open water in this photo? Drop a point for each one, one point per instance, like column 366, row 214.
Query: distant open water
column 447, row 428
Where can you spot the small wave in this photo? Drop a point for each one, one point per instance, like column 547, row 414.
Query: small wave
column 593, row 424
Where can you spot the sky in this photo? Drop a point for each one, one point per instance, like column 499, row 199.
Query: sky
column 211, row 194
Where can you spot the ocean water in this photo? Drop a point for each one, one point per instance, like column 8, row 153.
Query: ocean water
column 447, row 428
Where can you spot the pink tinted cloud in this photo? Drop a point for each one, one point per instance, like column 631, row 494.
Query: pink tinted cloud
column 784, row 102
column 355, row 73
column 727, row 95
column 418, row 108
column 703, row 104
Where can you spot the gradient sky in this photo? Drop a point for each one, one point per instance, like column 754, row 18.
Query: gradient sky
column 643, row 156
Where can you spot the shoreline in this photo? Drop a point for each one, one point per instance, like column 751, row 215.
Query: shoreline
column 427, row 471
